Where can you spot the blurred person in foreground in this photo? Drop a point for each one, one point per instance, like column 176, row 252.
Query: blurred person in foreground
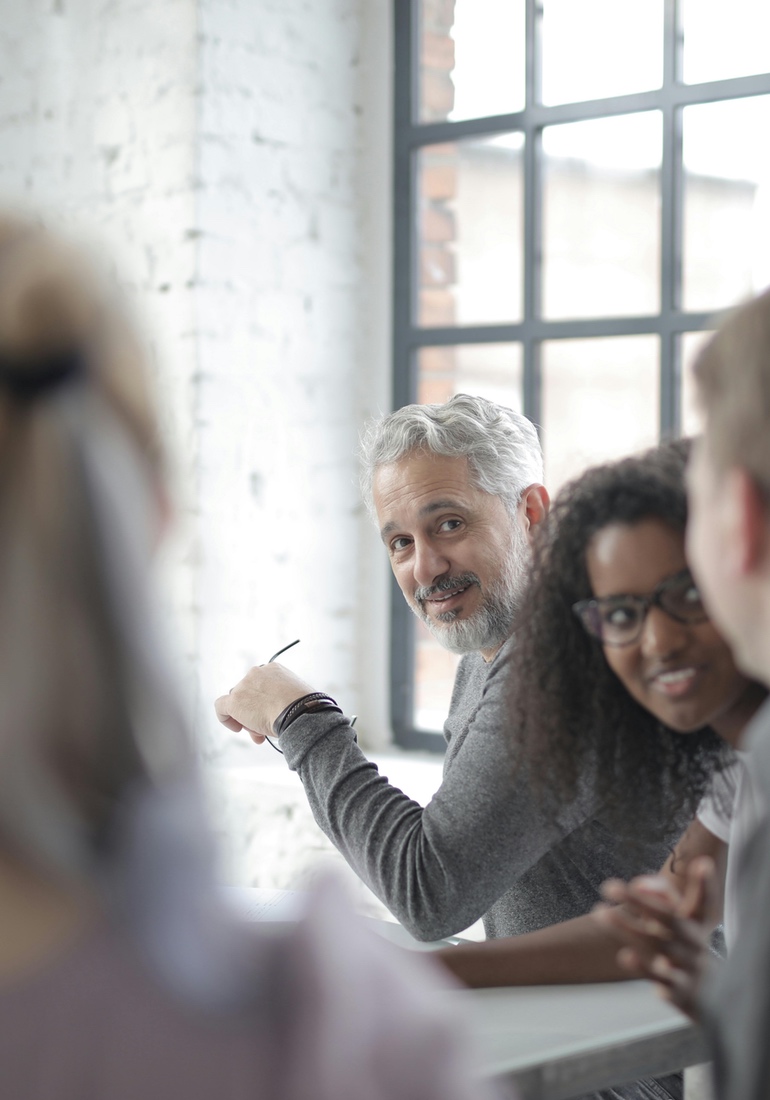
column 729, row 547
column 121, row 974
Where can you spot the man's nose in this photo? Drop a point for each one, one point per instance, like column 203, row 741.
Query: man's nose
column 662, row 636
column 429, row 563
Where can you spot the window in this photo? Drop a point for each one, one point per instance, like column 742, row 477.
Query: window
column 578, row 189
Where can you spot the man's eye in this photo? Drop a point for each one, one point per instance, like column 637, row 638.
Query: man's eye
column 450, row 524
column 399, row 544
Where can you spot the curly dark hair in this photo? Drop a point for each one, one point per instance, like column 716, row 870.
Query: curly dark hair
column 577, row 721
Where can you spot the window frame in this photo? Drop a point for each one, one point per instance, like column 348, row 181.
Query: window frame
column 671, row 322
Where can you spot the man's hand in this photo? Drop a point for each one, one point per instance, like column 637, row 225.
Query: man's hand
column 665, row 933
column 255, row 703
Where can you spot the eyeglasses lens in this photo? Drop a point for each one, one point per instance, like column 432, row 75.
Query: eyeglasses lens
column 619, row 620
column 683, row 602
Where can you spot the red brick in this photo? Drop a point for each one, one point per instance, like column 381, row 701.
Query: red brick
column 437, row 307
column 437, row 361
column 437, row 93
column 438, row 180
column 437, row 223
column 434, row 391
column 437, row 266
column 438, row 15
column 445, row 149
column 438, row 52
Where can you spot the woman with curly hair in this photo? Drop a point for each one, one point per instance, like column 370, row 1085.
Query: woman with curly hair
column 620, row 684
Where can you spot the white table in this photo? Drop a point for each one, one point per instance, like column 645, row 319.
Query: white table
column 560, row 1041
column 555, row 1041
column 564, row 1040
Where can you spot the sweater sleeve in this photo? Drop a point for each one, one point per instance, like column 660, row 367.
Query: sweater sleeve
column 440, row 867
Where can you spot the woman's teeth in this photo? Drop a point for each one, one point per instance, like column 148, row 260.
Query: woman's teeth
column 675, row 677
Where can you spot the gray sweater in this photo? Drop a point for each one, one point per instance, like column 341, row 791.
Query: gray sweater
column 480, row 848
column 736, row 1003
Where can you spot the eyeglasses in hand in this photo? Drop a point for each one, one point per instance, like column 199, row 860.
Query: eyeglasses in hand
column 278, row 654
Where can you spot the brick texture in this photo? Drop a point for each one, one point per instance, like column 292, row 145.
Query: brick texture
column 233, row 159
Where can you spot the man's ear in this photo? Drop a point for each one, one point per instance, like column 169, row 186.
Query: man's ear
column 534, row 504
column 750, row 534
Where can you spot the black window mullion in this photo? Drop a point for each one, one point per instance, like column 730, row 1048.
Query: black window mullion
column 736, row 87
column 404, row 382
column 582, row 328
column 533, row 210
column 670, row 226
column 411, row 136
column 406, row 34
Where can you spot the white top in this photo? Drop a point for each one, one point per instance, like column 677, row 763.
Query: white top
column 730, row 810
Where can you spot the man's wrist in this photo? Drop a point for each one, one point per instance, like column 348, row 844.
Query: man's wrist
column 307, row 704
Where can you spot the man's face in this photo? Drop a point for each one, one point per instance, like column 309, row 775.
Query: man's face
column 708, row 549
column 726, row 544
column 458, row 556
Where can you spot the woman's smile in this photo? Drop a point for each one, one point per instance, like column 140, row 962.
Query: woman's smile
column 677, row 682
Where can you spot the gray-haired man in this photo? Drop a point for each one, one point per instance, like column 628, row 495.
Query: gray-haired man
column 456, row 490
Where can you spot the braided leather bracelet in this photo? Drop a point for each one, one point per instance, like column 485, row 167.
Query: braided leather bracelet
column 316, row 700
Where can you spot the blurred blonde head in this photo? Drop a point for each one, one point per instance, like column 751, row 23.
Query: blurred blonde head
column 81, row 687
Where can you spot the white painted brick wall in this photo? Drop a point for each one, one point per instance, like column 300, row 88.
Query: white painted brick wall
column 289, row 258
column 280, row 270
column 97, row 127
column 234, row 159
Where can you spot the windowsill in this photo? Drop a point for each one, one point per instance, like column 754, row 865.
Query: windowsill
column 417, row 774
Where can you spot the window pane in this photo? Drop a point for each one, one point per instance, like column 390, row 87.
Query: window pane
column 434, row 674
column 471, row 58
column 689, row 346
column 726, row 201
column 601, row 217
column 723, row 40
column 600, row 401
column 599, row 48
column 493, row 371
column 470, row 231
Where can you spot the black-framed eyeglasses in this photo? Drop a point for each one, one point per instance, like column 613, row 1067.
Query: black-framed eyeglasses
column 618, row 620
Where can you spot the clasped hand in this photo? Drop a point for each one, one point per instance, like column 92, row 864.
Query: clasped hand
column 257, row 700
column 665, row 933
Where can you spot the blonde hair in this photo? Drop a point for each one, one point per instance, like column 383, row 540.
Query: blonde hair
column 80, row 463
column 732, row 375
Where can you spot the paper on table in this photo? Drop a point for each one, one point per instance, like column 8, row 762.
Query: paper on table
column 396, row 933
column 253, row 903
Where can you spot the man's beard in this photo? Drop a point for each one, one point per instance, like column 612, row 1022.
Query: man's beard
column 492, row 623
